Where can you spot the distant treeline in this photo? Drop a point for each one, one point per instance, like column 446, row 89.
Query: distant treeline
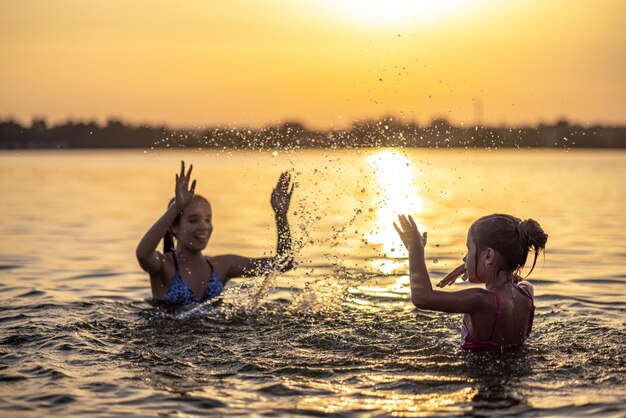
column 385, row 132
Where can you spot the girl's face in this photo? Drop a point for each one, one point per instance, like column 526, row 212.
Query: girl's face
column 473, row 271
column 195, row 227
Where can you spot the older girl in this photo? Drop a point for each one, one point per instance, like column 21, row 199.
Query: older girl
column 182, row 274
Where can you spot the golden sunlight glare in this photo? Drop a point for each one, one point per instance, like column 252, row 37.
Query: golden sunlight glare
column 396, row 195
column 397, row 12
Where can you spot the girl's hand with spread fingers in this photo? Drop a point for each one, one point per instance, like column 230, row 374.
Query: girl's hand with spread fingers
column 184, row 193
column 410, row 234
column 281, row 195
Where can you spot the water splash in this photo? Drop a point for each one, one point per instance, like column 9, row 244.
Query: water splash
column 261, row 291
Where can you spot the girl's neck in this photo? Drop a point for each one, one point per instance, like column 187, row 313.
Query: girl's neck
column 187, row 255
column 499, row 280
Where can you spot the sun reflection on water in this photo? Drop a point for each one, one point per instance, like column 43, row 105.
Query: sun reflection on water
column 396, row 193
column 396, row 404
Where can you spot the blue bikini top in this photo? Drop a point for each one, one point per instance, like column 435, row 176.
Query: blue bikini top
column 179, row 292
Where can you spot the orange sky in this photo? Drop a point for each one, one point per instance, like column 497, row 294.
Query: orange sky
column 323, row 62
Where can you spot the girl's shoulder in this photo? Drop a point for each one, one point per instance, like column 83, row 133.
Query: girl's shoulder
column 214, row 259
column 169, row 264
column 168, row 259
column 223, row 259
column 528, row 287
column 221, row 264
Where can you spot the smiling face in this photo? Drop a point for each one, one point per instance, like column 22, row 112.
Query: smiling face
column 194, row 228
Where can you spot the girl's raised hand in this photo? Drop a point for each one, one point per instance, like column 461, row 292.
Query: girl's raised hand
column 184, row 193
column 410, row 234
column 453, row 275
column 281, row 195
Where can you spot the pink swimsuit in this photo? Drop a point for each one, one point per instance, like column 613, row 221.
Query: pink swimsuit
column 471, row 343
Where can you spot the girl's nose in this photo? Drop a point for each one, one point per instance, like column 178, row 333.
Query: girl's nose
column 465, row 259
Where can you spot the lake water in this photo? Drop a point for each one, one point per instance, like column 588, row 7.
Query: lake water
column 338, row 335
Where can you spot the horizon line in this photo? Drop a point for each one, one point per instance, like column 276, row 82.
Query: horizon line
column 295, row 121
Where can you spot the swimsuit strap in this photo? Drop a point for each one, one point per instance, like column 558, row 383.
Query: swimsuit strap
column 530, row 321
column 526, row 293
column 175, row 261
column 210, row 264
column 498, row 316
column 213, row 272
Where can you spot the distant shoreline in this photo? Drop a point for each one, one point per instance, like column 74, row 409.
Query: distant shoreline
column 385, row 132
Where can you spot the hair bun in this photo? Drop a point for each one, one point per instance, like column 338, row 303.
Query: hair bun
column 531, row 235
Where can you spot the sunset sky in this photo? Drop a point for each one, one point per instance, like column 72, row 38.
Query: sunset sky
column 325, row 63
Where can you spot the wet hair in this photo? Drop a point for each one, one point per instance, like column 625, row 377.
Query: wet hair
column 511, row 237
column 168, row 238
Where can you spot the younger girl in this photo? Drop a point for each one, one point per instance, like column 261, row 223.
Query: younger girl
column 181, row 274
column 500, row 317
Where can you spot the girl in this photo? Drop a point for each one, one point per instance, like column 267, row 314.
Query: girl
column 182, row 275
column 500, row 317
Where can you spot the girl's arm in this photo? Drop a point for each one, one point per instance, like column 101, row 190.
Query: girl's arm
column 280, row 199
column 149, row 258
column 422, row 294
column 283, row 260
